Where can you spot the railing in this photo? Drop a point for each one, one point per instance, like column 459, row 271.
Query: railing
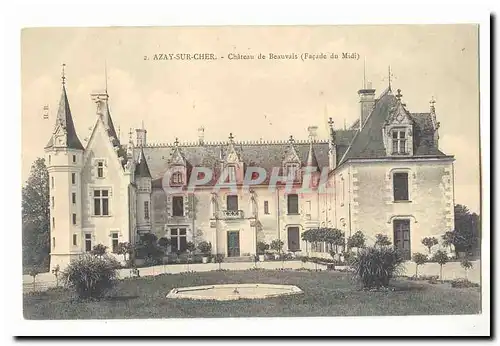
column 231, row 214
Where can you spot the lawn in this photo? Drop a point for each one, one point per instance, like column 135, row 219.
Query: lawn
column 325, row 294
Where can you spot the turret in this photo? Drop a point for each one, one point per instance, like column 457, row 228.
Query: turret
column 64, row 157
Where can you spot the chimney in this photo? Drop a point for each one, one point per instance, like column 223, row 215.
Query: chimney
column 101, row 99
column 201, row 135
column 367, row 101
column 141, row 137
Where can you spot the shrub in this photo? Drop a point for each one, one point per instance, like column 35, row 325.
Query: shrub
column 357, row 240
column 99, row 250
column 463, row 283
column 262, row 247
column 91, row 276
column 124, row 249
column 205, row 247
column 190, row 247
column 374, row 267
column 419, row 259
column 382, row 240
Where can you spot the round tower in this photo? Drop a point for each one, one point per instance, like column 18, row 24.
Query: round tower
column 64, row 158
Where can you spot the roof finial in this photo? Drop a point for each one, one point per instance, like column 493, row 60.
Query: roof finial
column 231, row 137
column 63, row 77
column 176, row 143
column 291, row 140
column 432, row 102
column 330, row 122
column 390, row 75
column 399, row 95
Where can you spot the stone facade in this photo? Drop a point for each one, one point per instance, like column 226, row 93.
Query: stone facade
column 108, row 193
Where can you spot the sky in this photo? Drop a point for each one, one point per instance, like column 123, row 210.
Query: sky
column 269, row 99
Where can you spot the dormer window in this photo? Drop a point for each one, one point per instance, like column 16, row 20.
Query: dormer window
column 399, row 140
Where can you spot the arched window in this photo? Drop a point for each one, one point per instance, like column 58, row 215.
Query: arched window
column 177, row 178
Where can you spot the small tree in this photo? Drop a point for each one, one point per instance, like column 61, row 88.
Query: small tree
column 357, row 240
column 99, row 250
column 124, row 249
column 429, row 242
column 277, row 245
column 33, row 273
column 382, row 240
column 190, row 248
column 442, row 258
column 219, row 258
column 56, row 270
column 466, row 264
column 164, row 243
column 419, row 259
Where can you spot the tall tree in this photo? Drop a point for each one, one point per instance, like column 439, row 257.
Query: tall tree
column 467, row 229
column 35, row 216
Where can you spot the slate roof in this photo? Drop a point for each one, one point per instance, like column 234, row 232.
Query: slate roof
column 267, row 155
column 368, row 143
column 142, row 169
column 65, row 120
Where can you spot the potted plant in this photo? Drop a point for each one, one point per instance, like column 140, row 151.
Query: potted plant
column 277, row 246
column 261, row 250
column 205, row 249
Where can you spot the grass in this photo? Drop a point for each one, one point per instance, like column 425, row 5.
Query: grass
column 325, row 294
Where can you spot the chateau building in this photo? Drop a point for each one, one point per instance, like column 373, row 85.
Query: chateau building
column 384, row 174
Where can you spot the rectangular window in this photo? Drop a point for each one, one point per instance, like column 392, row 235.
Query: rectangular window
column 101, row 202
column 88, row 242
column 399, row 142
column 293, row 204
column 292, row 172
column 74, row 219
column 74, row 158
column 400, row 184
column 52, row 201
column 75, row 237
column 146, row 210
column 49, row 159
column 232, row 173
column 73, row 197
column 232, row 203
column 53, row 242
column 100, row 169
column 51, row 182
column 114, row 242
column 178, row 239
column 73, row 178
column 53, row 223
column 402, row 237
column 342, row 193
column 177, row 178
column 178, row 206
column 266, row 207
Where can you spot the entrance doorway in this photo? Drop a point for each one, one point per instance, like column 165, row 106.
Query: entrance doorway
column 293, row 239
column 233, row 244
column 402, row 237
